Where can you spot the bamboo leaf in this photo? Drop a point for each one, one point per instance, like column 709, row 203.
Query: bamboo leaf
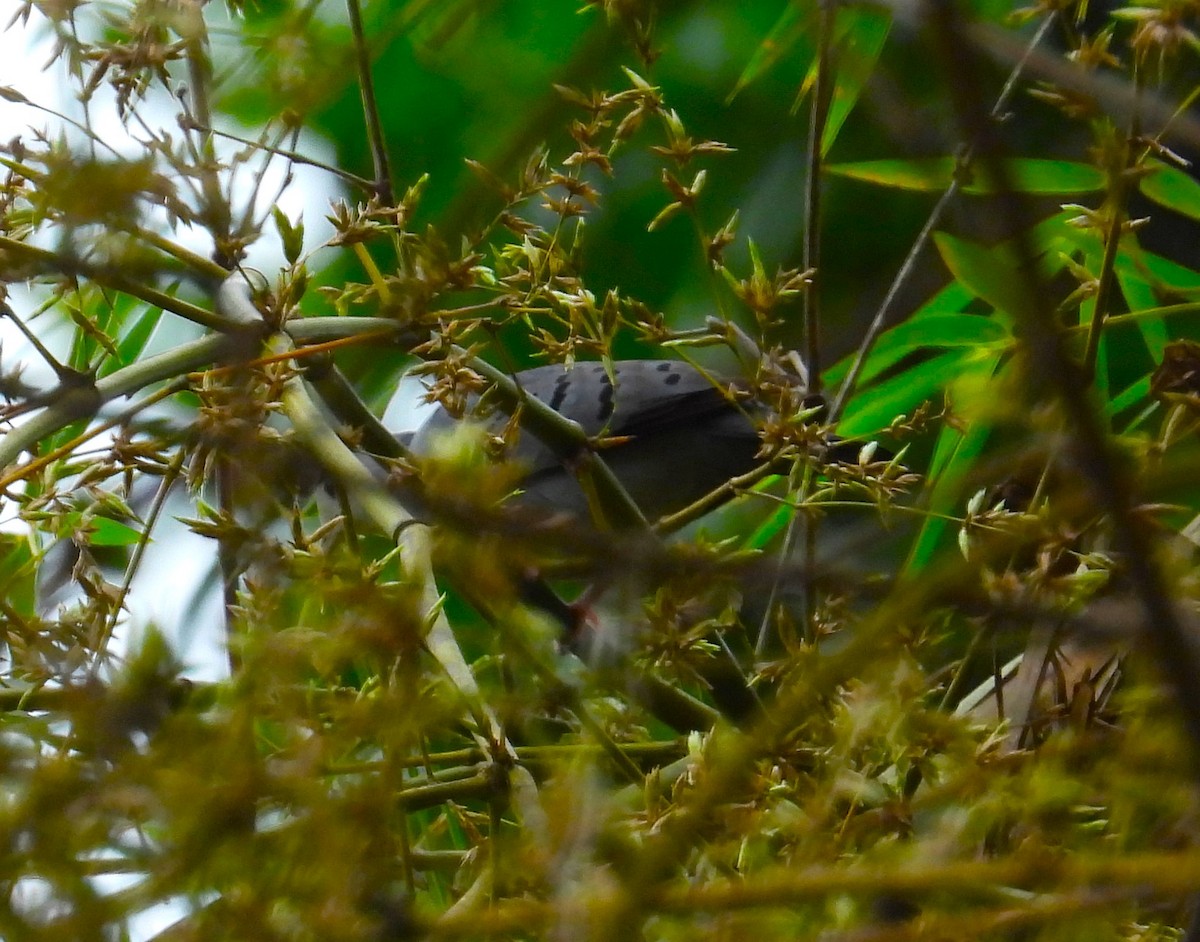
column 990, row 273
column 1161, row 273
column 943, row 331
column 950, row 300
column 934, row 174
column 133, row 344
column 954, row 454
column 1171, row 187
column 953, row 457
column 1136, row 392
column 900, row 394
column 865, row 31
column 1139, row 296
column 795, row 22
column 107, row 532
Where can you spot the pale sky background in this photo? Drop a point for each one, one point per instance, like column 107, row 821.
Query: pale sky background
column 175, row 589
column 169, row 590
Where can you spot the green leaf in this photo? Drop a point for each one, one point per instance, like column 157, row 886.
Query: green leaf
column 131, row 346
column 942, row 331
column 1139, row 296
column 867, row 414
column 766, row 532
column 949, row 469
column 1092, row 263
column 18, row 572
column 106, row 532
column 933, row 174
column 66, row 434
column 866, row 30
column 757, row 271
column 1138, row 391
column 993, row 273
column 954, row 454
column 990, row 273
column 1161, row 273
column 89, row 338
column 290, row 234
column 1171, row 187
column 795, row 22
column 950, row 300
column 1053, row 236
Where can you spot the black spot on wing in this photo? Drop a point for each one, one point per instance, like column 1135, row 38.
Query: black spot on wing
column 562, row 386
column 673, row 375
column 606, row 398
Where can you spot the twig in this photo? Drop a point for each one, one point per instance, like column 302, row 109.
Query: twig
column 379, row 156
column 821, row 96
column 293, row 155
column 160, row 501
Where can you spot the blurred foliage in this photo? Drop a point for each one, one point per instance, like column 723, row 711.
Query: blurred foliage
column 942, row 685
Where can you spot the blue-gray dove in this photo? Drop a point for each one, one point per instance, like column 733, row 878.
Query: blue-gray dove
column 677, row 434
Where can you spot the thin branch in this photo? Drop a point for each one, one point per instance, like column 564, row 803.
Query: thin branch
column 821, row 96
column 75, row 404
column 1112, row 93
column 139, row 550
column 1106, row 279
column 16, row 474
column 64, row 374
column 217, row 213
column 292, row 155
column 379, row 155
column 1118, row 192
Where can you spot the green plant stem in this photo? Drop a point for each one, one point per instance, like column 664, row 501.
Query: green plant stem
column 79, row 403
column 821, row 95
column 442, row 861
column 62, row 451
column 139, row 550
column 340, row 396
column 1107, row 277
column 1156, row 874
column 1147, row 314
column 715, row 498
column 110, row 278
column 200, row 264
column 216, row 212
column 65, row 375
column 485, row 784
column 653, row 753
column 390, row 517
column 290, row 155
column 324, row 329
